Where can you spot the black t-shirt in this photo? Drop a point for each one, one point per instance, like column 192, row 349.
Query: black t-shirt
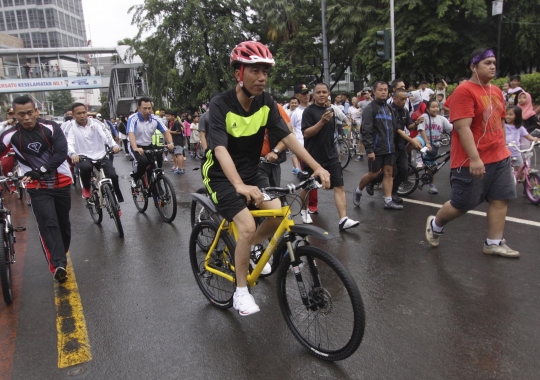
column 403, row 120
column 178, row 139
column 241, row 132
column 321, row 146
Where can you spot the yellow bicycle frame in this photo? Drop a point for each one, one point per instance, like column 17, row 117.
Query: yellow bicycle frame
column 231, row 229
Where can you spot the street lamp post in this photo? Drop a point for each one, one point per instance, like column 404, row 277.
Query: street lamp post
column 393, row 44
column 325, row 45
column 497, row 9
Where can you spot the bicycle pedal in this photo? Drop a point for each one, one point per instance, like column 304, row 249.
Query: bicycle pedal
column 19, row 229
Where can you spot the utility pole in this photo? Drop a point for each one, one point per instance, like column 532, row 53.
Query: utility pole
column 326, row 67
column 497, row 9
column 392, row 31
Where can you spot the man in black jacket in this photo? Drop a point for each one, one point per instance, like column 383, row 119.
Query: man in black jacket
column 378, row 135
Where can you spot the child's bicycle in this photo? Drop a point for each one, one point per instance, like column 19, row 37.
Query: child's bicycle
column 531, row 178
column 418, row 177
column 318, row 297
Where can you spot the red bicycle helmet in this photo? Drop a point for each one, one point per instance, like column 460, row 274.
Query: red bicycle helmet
column 250, row 53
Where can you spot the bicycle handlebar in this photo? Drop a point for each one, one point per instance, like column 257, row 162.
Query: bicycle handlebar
column 13, row 178
column 311, row 183
column 514, row 145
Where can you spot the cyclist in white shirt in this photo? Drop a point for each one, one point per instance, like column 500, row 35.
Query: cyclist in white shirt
column 140, row 128
column 88, row 137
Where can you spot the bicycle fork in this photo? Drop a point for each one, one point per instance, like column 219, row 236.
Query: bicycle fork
column 296, row 267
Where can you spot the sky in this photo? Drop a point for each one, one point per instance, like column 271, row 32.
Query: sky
column 108, row 21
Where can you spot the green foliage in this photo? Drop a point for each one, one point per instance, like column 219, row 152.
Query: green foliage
column 104, row 109
column 62, row 101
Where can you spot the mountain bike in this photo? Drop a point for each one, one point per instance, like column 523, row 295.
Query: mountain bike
column 318, row 297
column 102, row 195
column 155, row 184
column 529, row 177
column 21, row 186
column 7, row 241
column 418, row 177
column 343, row 150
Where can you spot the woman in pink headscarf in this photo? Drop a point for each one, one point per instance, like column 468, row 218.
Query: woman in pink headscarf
column 530, row 120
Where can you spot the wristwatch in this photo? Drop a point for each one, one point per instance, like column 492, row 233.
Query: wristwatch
column 43, row 170
column 276, row 151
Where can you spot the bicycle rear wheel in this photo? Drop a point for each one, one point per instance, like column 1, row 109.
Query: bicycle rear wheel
column 343, row 152
column 165, row 198
column 113, row 207
column 216, row 289
column 410, row 184
column 533, row 191
column 332, row 326
column 140, row 196
column 94, row 206
column 5, row 266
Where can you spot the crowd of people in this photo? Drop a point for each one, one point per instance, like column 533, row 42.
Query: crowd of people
column 245, row 135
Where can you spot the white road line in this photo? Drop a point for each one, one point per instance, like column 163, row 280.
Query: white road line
column 480, row 213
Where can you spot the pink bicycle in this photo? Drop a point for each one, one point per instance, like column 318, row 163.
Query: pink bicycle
column 529, row 177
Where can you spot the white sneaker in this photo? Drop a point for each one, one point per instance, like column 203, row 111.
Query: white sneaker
column 348, row 223
column 165, row 159
column 255, row 254
column 245, row 304
column 306, row 218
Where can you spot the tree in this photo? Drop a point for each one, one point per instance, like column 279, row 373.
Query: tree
column 61, row 101
column 104, row 110
column 187, row 54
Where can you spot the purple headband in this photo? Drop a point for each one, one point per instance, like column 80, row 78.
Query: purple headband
column 477, row 58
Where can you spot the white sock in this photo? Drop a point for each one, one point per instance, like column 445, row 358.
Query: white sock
column 493, row 242
column 387, row 199
column 241, row 290
column 435, row 227
column 358, row 190
column 343, row 219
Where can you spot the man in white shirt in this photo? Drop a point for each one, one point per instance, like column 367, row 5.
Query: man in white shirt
column 425, row 91
column 88, row 137
column 301, row 93
column 140, row 128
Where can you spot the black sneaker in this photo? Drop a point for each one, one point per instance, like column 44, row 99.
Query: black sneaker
column 369, row 188
column 60, row 274
column 392, row 206
column 397, row 199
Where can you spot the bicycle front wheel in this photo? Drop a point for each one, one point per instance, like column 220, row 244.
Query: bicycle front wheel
column 113, row 207
column 533, row 191
column 5, row 266
column 94, row 206
column 216, row 289
column 331, row 325
column 165, row 198
column 343, row 152
column 409, row 185
column 140, row 196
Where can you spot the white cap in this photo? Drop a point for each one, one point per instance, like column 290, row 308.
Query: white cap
column 98, row 116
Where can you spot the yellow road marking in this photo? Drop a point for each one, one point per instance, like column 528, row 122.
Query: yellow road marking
column 73, row 342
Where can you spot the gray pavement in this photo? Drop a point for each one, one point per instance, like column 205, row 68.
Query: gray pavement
column 444, row 313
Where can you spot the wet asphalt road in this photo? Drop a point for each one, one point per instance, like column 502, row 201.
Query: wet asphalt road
column 445, row 313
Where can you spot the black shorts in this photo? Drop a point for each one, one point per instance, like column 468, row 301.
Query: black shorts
column 227, row 201
column 377, row 164
column 334, row 168
column 497, row 184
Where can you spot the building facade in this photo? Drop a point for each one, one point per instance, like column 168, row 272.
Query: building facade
column 44, row 23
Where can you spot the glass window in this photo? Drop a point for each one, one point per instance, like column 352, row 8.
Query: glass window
column 26, row 40
column 2, row 23
column 32, row 18
column 70, row 40
column 51, row 17
column 11, row 23
column 64, row 40
column 36, row 40
column 19, row 2
column 62, row 21
column 8, row 3
column 40, row 18
column 54, row 39
column 22, row 20
column 38, row 2
column 30, row 2
column 44, row 40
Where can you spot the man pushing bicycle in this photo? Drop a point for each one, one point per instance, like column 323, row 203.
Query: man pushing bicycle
column 235, row 134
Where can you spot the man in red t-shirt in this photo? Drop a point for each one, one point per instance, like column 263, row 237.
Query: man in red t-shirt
column 480, row 164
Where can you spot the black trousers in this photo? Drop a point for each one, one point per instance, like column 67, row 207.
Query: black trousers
column 272, row 172
column 51, row 209
column 400, row 171
column 143, row 160
column 85, row 170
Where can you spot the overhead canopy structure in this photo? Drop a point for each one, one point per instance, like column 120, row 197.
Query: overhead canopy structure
column 62, row 50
